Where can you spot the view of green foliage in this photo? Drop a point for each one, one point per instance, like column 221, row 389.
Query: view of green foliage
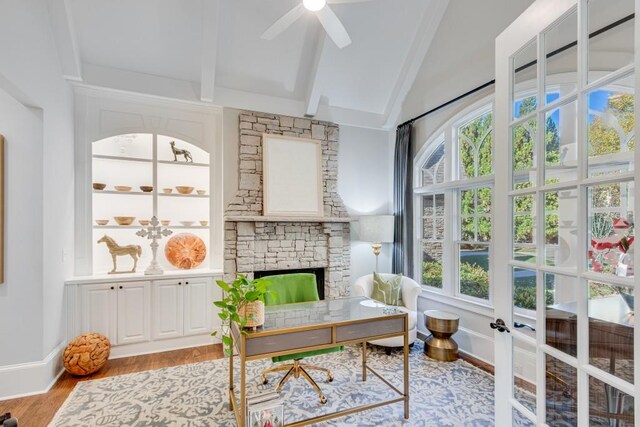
column 475, row 140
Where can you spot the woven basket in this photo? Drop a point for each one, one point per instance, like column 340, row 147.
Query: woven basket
column 254, row 312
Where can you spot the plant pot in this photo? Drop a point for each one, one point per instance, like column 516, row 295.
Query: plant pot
column 254, row 312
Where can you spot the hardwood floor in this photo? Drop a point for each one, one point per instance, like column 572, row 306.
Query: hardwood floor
column 38, row 410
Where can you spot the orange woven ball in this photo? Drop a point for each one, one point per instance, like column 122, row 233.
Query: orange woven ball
column 86, row 354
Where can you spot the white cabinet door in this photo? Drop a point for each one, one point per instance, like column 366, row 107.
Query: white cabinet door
column 134, row 302
column 168, row 308
column 198, row 303
column 99, row 310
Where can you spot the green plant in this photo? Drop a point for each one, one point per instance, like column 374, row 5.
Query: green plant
column 237, row 294
column 474, row 280
column 432, row 274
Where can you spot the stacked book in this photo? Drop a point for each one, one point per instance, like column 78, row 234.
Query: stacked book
column 265, row 410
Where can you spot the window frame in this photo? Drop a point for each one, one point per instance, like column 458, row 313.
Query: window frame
column 452, row 185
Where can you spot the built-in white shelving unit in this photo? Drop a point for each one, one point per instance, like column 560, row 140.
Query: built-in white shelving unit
column 147, row 159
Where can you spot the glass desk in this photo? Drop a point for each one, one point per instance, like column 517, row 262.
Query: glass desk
column 295, row 328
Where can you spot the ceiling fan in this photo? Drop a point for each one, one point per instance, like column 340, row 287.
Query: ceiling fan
column 326, row 16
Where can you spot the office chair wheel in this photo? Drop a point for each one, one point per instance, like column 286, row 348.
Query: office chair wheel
column 323, row 400
column 330, row 378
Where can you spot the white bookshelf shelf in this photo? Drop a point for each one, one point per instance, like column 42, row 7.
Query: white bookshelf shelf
column 125, row 193
column 182, row 163
column 123, row 158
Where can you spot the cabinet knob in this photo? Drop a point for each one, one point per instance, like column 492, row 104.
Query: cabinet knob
column 120, row 287
column 112, row 288
column 180, row 283
column 186, row 283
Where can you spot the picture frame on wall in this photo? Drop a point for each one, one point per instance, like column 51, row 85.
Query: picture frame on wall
column 292, row 176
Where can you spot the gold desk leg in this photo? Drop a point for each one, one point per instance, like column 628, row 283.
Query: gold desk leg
column 364, row 361
column 231, row 380
column 243, row 379
column 406, row 367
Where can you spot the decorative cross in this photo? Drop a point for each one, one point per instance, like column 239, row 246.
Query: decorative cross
column 154, row 232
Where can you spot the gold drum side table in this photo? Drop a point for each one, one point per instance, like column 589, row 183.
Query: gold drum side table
column 442, row 325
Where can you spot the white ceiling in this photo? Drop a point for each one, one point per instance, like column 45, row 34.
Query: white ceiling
column 296, row 71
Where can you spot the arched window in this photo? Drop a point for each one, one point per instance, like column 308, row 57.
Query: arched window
column 454, row 172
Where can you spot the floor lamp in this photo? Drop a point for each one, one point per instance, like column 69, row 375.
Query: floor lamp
column 377, row 229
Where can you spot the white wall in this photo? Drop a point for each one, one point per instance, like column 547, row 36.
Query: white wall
column 365, row 183
column 40, row 180
column 457, row 61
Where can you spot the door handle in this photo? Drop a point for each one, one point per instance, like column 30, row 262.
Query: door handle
column 500, row 326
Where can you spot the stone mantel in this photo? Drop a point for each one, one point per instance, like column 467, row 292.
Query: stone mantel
column 285, row 219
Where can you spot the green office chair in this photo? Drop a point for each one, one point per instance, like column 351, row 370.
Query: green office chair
column 291, row 288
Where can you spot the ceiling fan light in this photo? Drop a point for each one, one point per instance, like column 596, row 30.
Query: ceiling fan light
column 314, row 5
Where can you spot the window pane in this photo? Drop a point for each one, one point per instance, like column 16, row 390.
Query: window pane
column 611, row 128
column 562, row 55
column 609, row 406
column 611, row 213
column 524, row 228
column 560, row 144
column 522, row 155
column 433, row 169
column 561, row 393
column 520, row 420
column 524, row 80
column 611, row 323
column 475, row 140
column 561, row 210
column 612, row 49
column 474, row 270
column 524, row 288
column 561, row 320
column 432, row 264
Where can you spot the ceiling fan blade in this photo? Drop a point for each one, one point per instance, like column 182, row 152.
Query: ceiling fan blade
column 284, row 22
column 346, row 1
column 333, row 27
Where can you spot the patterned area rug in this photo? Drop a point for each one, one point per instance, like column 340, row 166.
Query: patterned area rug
column 442, row 394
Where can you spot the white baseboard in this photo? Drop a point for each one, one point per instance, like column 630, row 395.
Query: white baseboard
column 26, row 379
column 473, row 343
column 158, row 346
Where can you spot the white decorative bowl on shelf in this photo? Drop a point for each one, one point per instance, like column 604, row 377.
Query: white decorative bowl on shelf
column 201, row 192
column 122, row 188
column 167, row 190
column 204, row 223
column 187, row 223
column 102, row 221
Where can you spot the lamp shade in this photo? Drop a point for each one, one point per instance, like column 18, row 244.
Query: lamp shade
column 376, row 228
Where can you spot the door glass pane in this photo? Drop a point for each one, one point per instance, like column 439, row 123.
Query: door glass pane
column 561, row 210
column 523, row 161
column 560, row 144
column 525, row 80
column 520, row 420
column 609, row 406
column 561, row 393
column 561, row 49
column 433, row 168
column 524, row 374
column 611, row 325
column 474, row 270
column 524, row 228
column 524, row 289
column 561, row 319
column 611, row 214
column 610, row 128
column 475, row 144
column 610, row 49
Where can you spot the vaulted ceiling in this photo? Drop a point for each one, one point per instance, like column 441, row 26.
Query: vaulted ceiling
column 211, row 51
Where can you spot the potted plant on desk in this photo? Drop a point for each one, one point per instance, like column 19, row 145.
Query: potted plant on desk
column 243, row 304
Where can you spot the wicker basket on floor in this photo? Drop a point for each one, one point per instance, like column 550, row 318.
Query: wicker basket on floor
column 254, row 312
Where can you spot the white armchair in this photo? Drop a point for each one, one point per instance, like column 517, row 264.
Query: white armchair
column 410, row 291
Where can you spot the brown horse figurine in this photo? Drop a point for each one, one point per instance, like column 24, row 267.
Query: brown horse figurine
column 132, row 250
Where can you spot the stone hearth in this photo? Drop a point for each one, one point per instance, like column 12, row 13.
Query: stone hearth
column 257, row 243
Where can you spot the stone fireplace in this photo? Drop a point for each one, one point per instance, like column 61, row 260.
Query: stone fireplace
column 254, row 242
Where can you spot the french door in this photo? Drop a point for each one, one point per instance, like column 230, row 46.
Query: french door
column 565, row 209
